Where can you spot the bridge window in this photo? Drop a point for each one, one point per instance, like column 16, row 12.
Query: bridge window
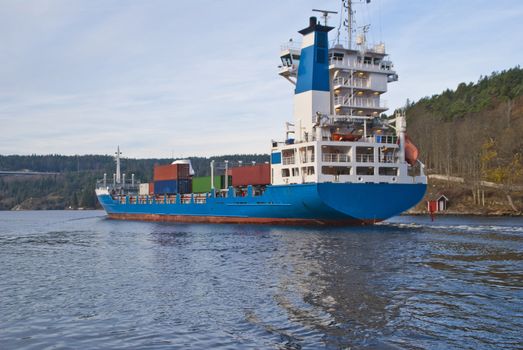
column 308, row 170
column 336, row 56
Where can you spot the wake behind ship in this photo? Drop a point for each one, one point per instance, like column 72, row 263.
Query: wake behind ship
column 340, row 163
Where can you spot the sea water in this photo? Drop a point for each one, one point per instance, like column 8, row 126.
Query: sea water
column 77, row 280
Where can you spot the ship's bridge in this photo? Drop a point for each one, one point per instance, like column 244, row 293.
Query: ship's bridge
column 290, row 60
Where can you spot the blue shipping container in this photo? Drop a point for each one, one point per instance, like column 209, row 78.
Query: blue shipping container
column 184, row 186
column 166, row 187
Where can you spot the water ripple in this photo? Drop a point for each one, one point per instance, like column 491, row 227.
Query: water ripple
column 77, row 280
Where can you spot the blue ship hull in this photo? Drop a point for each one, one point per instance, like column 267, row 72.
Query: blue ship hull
column 318, row 203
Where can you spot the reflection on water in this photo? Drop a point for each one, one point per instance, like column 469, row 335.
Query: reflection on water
column 75, row 279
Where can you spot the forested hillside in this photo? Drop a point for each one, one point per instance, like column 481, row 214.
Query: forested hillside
column 73, row 186
column 474, row 132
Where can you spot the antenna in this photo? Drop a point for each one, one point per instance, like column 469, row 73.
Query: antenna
column 325, row 14
column 117, row 158
column 347, row 4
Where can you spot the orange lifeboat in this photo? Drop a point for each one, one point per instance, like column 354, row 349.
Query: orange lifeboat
column 411, row 151
column 338, row 136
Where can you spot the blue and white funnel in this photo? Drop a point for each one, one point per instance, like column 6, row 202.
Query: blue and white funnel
column 312, row 92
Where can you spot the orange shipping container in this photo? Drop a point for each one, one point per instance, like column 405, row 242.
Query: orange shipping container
column 259, row 174
column 171, row 172
column 151, row 187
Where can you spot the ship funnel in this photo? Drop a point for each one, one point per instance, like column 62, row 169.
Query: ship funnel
column 312, row 93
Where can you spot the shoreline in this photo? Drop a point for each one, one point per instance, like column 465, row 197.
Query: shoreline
column 454, row 213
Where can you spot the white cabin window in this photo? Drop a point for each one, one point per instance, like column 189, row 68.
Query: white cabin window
column 285, row 172
column 365, row 154
column 388, row 171
column 308, row 170
column 335, row 170
column 363, row 170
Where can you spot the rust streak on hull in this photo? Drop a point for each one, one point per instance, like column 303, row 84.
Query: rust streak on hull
column 239, row 220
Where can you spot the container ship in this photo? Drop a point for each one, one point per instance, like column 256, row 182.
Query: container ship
column 342, row 160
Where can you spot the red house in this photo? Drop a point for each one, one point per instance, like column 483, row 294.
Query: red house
column 438, row 204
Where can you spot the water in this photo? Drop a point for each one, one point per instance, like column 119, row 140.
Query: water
column 77, row 280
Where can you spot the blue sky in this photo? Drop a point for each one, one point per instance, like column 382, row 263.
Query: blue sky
column 163, row 78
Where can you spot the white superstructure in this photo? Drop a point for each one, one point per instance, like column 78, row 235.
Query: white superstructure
column 338, row 134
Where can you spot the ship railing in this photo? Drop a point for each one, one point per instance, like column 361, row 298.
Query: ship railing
column 161, row 199
column 185, row 199
column 288, row 160
column 291, row 45
column 355, row 83
column 359, row 102
column 384, row 66
column 388, row 158
column 308, row 159
column 365, row 158
column 200, row 199
column 385, row 138
column 336, row 158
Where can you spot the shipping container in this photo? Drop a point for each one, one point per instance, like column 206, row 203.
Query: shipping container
column 144, row 189
column 222, row 181
column 184, row 186
column 259, row 174
column 151, row 187
column 166, row 187
column 171, row 172
column 202, row 184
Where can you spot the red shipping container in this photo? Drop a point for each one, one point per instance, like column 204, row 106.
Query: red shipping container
column 259, row 174
column 171, row 172
column 151, row 187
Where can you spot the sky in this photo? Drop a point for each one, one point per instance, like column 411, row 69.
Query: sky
column 172, row 78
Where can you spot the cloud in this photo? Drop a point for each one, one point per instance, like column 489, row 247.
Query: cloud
column 201, row 78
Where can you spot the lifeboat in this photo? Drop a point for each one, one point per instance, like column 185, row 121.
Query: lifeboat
column 338, row 136
column 411, row 151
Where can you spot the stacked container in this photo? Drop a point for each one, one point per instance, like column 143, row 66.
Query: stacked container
column 259, row 174
column 144, row 189
column 172, row 179
column 171, row 172
column 202, row 184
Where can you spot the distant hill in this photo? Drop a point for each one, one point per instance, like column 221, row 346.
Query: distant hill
column 73, row 186
column 475, row 132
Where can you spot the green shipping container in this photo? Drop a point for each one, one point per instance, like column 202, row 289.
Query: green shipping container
column 222, row 181
column 202, row 184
